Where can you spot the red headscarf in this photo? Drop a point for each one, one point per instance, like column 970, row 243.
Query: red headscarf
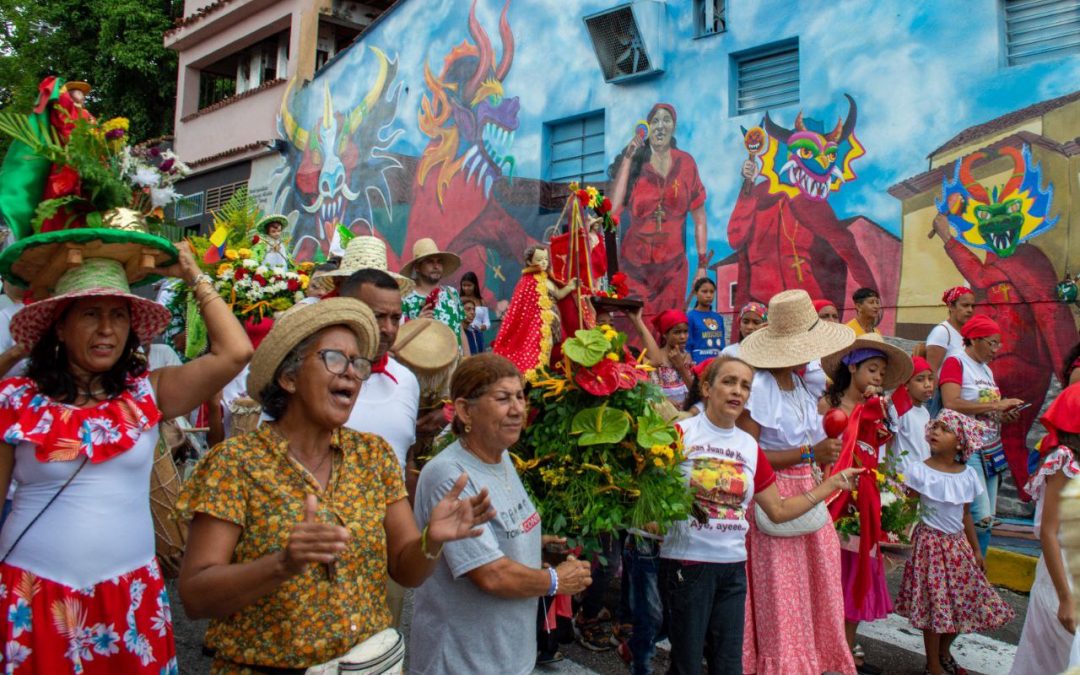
column 980, row 326
column 668, row 319
column 901, row 398
column 955, row 293
column 663, row 106
column 822, row 304
column 1062, row 415
column 700, row 368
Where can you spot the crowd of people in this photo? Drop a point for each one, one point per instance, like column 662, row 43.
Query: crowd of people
column 305, row 531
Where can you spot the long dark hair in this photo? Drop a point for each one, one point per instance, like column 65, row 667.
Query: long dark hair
column 50, row 369
column 471, row 276
column 841, row 380
column 637, row 163
column 1067, row 367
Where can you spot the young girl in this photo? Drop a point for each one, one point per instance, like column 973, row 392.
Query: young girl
column 859, row 375
column 474, row 335
column 469, row 287
column 703, row 559
column 695, row 399
column 751, row 317
column 944, row 591
column 669, row 357
column 1051, row 621
column 908, row 408
column 706, row 326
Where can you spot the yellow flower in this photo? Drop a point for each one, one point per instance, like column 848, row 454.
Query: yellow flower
column 900, row 477
column 574, row 186
column 224, row 270
column 658, row 462
column 610, row 334
column 116, row 123
column 613, row 357
column 304, row 281
column 231, row 254
column 244, row 253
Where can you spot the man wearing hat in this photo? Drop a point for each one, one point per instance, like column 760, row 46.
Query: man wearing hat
column 430, row 300
column 271, row 248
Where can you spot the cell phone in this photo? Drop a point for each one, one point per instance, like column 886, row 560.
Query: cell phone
column 1022, row 406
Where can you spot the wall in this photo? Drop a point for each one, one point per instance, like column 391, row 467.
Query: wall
column 381, row 142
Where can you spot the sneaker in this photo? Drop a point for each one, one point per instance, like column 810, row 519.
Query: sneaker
column 594, row 636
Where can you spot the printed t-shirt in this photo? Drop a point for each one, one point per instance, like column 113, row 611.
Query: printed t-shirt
column 724, row 469
column 706, row 335
column 458, row 628
column 977, row 384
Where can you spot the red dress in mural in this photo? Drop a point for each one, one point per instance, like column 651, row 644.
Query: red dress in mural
column 653, row 251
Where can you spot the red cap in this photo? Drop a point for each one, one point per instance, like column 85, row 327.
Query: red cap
column 668, row 319
column 980, row 326
column 1062, row 415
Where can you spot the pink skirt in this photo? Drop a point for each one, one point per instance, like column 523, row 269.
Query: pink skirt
column 943, row 589
column 877, row 604
column 794, row 599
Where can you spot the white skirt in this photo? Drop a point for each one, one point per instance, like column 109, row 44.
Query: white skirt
column 1044, row 644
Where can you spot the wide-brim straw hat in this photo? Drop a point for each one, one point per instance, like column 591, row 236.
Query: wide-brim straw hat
column 78, row 85
column 265, row 222
column 794, row 335
column 425, row 345
column 898, row 371
column 95, row 277
column 369, row 252
column 301, row 322
column 427, row 248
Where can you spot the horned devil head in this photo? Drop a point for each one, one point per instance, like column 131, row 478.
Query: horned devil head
column 817, row 162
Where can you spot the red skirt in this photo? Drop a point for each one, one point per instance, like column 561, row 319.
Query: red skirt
column 944, row 590
column 121, row 625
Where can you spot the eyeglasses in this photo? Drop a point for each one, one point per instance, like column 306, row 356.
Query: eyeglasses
column 338, row 364
column 992, row 344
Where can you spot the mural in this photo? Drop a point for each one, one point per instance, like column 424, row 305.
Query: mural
column 336, row 168
column 783, row 229
column 1015, row 284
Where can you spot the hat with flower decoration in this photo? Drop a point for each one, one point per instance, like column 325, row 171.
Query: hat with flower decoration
column 95, row 278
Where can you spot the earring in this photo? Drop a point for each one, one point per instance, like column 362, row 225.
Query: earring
column 468, row 428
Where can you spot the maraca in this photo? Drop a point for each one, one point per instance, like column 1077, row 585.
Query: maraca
column 835, row 422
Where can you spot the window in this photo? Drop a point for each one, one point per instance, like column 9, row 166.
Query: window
column 1040, row 29
column 576, row 149
column 244, row 70
column 708, row 17
column 334, row 36
column 190, row 206
column 766, row 78
column 214, row 88
column 217, row 196
column 732, row 288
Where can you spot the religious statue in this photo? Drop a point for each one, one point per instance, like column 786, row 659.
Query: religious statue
column 272, row 247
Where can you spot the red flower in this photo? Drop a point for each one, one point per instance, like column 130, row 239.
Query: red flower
column 293, row 285
column 583, row 197
column 255, row 239
column 620, row 283
column 615, row 220
column 64, row 181
column 239, row 274
column 261, row 280
column 629, row 376
column 605, row 206
column 599, row 380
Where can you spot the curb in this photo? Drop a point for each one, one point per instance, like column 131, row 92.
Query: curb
column 1014, row 571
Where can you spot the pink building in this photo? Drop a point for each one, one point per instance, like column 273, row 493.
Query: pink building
column 235, row 60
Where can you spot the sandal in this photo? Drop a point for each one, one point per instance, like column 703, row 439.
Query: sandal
column 952, row 667
column 858, row 652
column 548, row 659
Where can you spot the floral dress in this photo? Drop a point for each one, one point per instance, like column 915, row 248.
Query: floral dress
column 448, row 308
column 253, row 482
column 80, row 588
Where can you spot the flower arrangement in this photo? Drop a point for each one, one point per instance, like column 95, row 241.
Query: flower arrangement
column 592, row 199
column 899, row 508
column 597, row 457
column 254, row 290
column 99, row 171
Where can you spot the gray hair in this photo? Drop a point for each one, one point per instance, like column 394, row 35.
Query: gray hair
column 275, row 398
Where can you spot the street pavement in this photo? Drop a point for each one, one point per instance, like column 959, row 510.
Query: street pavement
column 892, row 644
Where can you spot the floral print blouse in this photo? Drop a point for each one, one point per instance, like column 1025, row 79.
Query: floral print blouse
column 448, row 308
column 252, row 481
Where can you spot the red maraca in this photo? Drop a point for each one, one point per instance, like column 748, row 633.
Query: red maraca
column 835, row 422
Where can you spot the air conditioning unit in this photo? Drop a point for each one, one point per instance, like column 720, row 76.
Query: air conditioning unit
column 628, row 40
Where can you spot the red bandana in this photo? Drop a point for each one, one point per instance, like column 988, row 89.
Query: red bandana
column 379, row 366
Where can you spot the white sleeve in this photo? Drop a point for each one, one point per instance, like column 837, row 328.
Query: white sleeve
column 939, row 337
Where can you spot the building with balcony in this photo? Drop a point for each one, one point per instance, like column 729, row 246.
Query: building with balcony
column 236, row 58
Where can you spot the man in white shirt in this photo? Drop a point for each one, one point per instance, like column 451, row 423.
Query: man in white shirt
column 388, row 402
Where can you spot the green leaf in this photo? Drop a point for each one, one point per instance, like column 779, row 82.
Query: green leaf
column 587, row 347
column 600, row 425
column 654, row 429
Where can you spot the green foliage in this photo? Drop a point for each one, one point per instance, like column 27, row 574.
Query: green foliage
column 594, row 426
column 116, row 46
column 652, row 429
column 586, row 348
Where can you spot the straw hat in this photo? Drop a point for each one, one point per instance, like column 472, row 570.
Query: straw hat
column 900, row 366
column 78, row 85
column 369, row 252
column 266, row 221
column 794, row 335
column 427, row 248
column 425, row 345
column 301, row 322
column 96, row 277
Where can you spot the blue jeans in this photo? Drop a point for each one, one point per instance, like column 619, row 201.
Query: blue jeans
column 705, row 604
column 641, row 560
column 985, row 505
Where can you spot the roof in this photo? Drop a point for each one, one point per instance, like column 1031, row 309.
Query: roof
column 931, row 180
column 1005, row 121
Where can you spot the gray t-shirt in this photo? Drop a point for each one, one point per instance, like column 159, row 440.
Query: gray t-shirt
column 456, row 627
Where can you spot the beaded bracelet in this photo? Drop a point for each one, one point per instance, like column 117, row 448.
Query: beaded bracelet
column 554, row 587
column 202, row 277
column 807, row 455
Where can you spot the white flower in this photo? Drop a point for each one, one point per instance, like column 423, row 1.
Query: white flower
column 162, row 196
column 887, row 498
column 146, row 176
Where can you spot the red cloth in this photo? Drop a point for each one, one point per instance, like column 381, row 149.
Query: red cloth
column 668, row 319
column 901, row 398
column 257, row 329
column 522, row 337
column 379, row 366
column 764, row 476
column 951, row 371
column 1062, row 415
column 955, row 293
column 865, row 433
column 921, row 366
column 822, row 304
column 980, row 326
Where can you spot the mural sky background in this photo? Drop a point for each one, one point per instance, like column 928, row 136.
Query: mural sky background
column 920, row 71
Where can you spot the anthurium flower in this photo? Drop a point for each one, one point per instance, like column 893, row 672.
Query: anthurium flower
column 601, row 379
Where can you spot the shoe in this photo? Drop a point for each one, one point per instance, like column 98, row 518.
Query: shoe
column 595, row 637
column 952, row 667
column 548, row 659
column 623, row 650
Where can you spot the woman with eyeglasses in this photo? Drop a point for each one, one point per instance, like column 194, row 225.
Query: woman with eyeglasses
column 295, row 526
column 968, row 387
column 478, row 613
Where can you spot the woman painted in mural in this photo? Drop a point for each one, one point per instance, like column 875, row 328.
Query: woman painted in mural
column 660, row 184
